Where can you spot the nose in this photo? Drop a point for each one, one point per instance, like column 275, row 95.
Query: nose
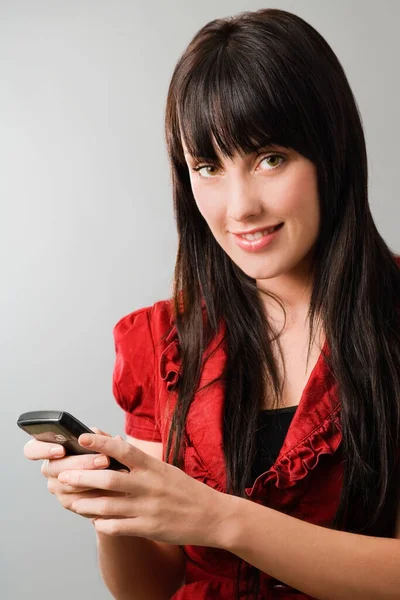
column 243, row 200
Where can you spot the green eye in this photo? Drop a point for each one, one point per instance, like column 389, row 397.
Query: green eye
column 200, row 167
column 273, row 156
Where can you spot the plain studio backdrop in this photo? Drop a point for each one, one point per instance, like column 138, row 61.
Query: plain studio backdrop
column 87, row 231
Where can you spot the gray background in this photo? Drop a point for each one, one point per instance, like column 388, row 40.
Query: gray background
column 87, row 231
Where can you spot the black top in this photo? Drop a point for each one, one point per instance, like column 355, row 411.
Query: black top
column 273, row 427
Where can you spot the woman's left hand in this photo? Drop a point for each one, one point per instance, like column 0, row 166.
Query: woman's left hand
column 161, row 502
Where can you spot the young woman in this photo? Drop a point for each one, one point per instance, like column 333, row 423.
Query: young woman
column 262, row 400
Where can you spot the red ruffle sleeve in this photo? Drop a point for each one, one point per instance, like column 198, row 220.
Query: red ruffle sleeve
column 134, row 374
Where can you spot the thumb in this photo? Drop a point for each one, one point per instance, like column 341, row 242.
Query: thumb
column 100, row 431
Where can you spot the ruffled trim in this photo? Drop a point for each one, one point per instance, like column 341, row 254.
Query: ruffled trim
column 305, row 456
column 196, row 468
column 170, row 361
column 289, row 468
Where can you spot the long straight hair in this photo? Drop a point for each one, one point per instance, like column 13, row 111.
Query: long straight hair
column 262, row 78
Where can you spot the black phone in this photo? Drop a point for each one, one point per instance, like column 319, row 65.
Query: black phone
column 60, row 427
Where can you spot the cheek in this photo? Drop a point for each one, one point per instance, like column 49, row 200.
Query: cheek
column 300, row 200
column 211, row 210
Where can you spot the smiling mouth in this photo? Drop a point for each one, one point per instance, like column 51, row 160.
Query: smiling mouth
column 259, row 234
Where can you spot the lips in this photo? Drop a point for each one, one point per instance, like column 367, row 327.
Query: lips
column 260, row 233
column 258, row 243
column 259, row 229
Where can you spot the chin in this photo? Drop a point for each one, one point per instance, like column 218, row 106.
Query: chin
column 262, row 272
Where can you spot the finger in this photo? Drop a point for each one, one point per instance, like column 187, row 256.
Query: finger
column 57, row 488
column 135, row 526
column 35, row 450
column 67, row 500
column 102, row 480
column 123, row 451
column 52, row 468
column 105, row 506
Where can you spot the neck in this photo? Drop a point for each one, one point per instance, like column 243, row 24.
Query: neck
column 294, row 291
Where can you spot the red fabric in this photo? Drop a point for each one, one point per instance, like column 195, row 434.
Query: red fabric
column 133, row 377
column 305, row 480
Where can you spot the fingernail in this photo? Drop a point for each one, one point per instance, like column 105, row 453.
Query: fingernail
column 56, row 451
column 86, row 439
column 101, row 461
column 63, row 477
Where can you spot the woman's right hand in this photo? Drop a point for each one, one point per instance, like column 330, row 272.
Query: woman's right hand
column 54, row 464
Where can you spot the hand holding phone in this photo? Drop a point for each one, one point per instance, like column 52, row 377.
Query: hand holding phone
column 59, row 431
column 60, row 427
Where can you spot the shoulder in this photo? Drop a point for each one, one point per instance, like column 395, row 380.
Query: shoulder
column 148, row 321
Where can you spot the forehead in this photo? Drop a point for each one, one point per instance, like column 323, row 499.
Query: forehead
column 213, row 149
column 188, row 154
column 240, row 153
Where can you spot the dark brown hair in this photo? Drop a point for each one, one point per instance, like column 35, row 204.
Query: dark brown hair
column 268, row 77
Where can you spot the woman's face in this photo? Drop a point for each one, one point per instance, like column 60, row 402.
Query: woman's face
column 261, row 190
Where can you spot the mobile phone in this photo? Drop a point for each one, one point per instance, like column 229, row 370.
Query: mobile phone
column 60, row 427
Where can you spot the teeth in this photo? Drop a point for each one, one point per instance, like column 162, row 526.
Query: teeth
column 256, row 236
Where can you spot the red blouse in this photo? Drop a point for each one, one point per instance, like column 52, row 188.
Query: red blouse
column 145, row 372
